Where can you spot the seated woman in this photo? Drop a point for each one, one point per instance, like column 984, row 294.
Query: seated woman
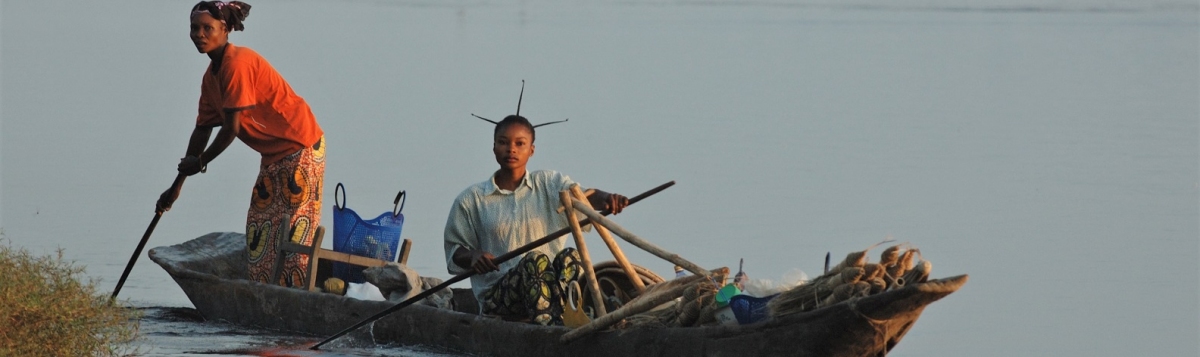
column 507, row 211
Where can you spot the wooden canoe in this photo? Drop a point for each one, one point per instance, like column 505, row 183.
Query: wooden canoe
column 211, row 270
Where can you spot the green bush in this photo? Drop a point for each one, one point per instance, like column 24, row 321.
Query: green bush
column 45, row 310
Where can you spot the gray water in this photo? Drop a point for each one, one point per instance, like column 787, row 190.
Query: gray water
column 1051, row 150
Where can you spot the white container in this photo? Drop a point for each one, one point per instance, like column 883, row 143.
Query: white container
column 725, row 316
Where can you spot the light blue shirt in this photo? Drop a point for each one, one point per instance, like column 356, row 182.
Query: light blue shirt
column 485, row 217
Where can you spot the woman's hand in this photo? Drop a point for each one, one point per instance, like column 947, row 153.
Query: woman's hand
column 190, row 165
column 478, row 260
column 612, row 203
column 167, row 199
column 615, row 203
column 482, row 262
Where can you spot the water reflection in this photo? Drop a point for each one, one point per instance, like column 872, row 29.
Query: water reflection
column 176, row 331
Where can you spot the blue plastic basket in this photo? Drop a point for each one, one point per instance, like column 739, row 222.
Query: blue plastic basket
column 748, row 309
column 377, row 238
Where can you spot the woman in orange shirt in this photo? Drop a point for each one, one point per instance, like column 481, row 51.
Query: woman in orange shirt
column 243, row 95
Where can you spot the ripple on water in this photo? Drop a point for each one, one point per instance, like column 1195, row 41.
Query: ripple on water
column 176, row 331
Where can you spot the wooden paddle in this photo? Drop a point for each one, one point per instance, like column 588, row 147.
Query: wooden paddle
column 457, row 278
column 145, row 237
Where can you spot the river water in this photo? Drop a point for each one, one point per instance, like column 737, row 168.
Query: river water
column 1051, row 150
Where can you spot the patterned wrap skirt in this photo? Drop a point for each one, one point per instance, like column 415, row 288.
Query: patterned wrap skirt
column 285, row 204
column 535, row 288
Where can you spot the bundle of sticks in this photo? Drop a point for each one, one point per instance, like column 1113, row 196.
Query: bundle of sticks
column 854, row 277
column 692, row 305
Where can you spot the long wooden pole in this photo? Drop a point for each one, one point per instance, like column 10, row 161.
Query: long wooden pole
column 142, row 244
column 457, row 278
column 612, row 246
column 599, row 219
column 589, row 272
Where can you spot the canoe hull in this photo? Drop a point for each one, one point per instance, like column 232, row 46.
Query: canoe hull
column 868, row 326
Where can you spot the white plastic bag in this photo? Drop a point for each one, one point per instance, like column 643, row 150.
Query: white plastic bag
column 364, row 291
column 766, row 287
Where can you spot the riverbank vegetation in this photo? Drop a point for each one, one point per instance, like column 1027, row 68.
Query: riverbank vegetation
column 48, row 310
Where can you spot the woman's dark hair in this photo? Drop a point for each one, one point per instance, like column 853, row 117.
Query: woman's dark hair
column 232, row 12
column 515, row 120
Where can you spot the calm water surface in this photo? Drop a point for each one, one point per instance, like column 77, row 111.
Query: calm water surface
column 1049, row 151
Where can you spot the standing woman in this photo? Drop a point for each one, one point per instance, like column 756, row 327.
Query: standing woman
column 243, row 95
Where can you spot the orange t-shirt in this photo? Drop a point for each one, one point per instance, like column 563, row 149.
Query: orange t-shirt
column 274, row 121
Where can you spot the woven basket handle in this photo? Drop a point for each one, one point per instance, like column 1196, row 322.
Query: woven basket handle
column 398, row 204
column 342, row 205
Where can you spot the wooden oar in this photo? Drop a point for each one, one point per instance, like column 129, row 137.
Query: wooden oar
column 457, row 278
column 145, row 237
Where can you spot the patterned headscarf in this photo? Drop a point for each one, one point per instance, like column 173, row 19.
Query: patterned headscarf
column 213, row 11
column 229, row 12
